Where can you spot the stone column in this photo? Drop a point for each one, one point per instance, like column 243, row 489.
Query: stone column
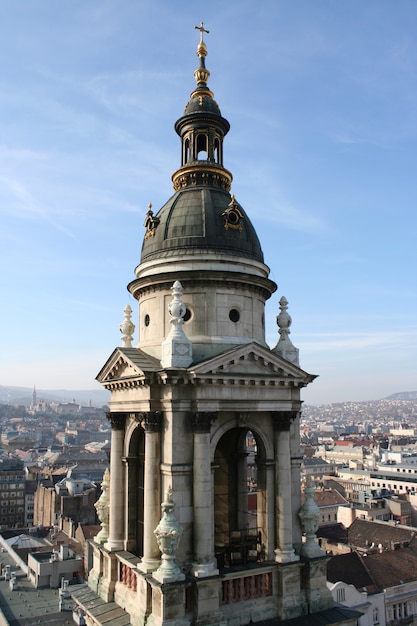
column 242, row 490
column 151, row 422
column 284, row 553
column 116, row 520
column 266, row 508
column 296, row 463
column 205, row 563
column 131, row 503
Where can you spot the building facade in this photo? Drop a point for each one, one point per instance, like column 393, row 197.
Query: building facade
column 12, row 493
column 178, row 543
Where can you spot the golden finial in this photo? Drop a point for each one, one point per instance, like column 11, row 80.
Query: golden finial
column 201, row 48
column 202, row 74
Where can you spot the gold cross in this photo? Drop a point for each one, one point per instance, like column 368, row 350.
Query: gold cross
column 202, row 30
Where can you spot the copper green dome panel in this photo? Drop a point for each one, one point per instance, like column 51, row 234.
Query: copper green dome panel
column 202, row 218
column 202, row 105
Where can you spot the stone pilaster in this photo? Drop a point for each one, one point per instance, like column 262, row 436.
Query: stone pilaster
column 131, row 504
column 265, row 508
column 284, row 552
column 151, row 422
column 204, row 563
column 318, row 596
column 168, row 604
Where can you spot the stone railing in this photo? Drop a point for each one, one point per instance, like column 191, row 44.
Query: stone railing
column 127, row 569
column 249, row 587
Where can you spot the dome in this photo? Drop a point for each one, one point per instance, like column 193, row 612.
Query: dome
column 204, row 219
column 202, row 238
column 203, row 216
column 205, row 104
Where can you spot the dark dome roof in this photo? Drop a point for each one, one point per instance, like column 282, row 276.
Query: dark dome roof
column 204, row 104
column 195, row 219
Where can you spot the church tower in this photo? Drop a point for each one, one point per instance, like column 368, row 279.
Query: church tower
column 201, row 515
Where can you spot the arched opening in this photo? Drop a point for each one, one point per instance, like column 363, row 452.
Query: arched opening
column 135, row 492
column 186, row 155
column 202, row 149
column 240, row 516
column 216, row 152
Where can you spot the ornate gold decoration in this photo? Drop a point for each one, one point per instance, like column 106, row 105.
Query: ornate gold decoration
column 206, row 174
column 151, row 222
column 202, row 74
column 233, row 216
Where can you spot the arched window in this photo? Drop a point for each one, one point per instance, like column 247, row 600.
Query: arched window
column 202, row 147
column 186, row 156
column 240, row 524
column 216, row 152
column 135, row 464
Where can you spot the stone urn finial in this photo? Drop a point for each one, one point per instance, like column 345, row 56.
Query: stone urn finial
column 309, row 515
column 127, row 327
column 168, row 533
column 285, row 347
column 177, row 348
column 102, row 507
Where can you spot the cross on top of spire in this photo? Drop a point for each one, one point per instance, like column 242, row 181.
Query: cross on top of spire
column 202, row 30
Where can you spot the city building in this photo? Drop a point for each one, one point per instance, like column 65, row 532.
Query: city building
column 12, row 492
column 381, row 585
column 71, row 497
column 177, row 544
column 47, row 569
column 329, row 502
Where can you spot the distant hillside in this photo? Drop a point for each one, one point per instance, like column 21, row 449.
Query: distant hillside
column 23, row 396
column 403, row 395
column 100, row 397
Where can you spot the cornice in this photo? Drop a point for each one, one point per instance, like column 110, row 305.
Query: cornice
column 215, row 278
column 128, row 383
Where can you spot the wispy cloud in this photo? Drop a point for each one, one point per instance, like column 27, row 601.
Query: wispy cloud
column 19, row 201
column 354, row 342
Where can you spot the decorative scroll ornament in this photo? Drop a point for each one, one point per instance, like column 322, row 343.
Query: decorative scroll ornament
column 151, row 222
column 102, row 507
column 127, row 327
column 309, row 515
column 168, row 533
column 233, row 216
column 285, row 348
column 177, row 348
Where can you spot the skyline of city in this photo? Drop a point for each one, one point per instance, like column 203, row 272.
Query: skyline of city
column 321, row 101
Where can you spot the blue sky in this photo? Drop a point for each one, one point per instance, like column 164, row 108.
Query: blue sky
column 322, row 99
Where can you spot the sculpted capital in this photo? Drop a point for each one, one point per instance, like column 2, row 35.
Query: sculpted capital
column 117, row 420
column 151, row 421
column 203, row 421
column 282, row 419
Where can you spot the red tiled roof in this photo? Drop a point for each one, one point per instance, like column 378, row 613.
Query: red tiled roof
column 350, row 569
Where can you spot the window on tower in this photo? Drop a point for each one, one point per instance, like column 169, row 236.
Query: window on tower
column 202, row 147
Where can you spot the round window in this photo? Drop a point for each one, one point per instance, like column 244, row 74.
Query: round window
column 234, row 315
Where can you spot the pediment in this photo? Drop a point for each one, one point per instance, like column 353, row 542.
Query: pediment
column 127, row 363
column 251, row 361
